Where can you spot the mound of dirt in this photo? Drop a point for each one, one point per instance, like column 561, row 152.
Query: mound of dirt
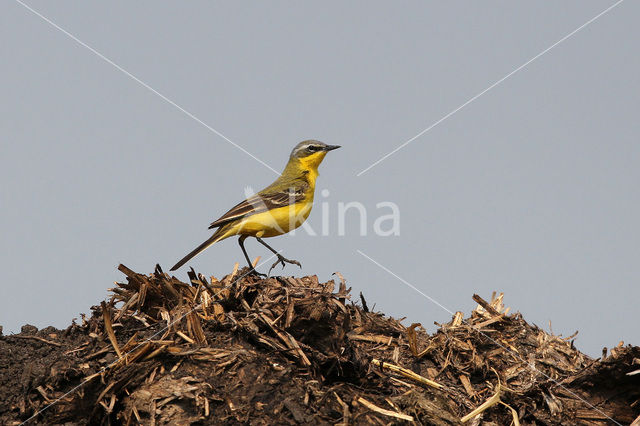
column 283, row 350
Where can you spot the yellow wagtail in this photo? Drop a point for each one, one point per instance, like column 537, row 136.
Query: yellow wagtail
column 279, row 208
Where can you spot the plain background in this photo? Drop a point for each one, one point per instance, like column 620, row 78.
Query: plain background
column 532, row 189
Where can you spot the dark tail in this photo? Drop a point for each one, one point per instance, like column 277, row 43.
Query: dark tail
column 214, row 238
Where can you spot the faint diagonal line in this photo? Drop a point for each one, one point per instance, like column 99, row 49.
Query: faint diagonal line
column 516, row 355
column 142, row 83
column 492, row 86
column 105, row 368
column 407, row 283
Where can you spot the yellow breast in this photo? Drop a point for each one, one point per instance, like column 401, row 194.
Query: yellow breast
column 273, row 222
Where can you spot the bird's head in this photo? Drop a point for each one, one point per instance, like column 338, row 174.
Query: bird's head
column 311, row 153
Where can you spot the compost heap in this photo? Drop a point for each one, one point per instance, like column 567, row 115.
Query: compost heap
column 284, row 350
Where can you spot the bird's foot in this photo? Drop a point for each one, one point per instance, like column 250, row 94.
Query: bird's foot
column 281, row 260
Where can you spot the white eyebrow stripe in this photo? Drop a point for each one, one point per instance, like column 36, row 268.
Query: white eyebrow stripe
column 306, row 145
column 303, row 147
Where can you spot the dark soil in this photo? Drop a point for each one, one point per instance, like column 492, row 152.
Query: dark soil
column 244, row 350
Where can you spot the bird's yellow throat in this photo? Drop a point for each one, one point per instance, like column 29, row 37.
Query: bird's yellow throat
column 308, row 164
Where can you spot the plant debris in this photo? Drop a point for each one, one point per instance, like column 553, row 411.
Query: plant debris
column 284, row 350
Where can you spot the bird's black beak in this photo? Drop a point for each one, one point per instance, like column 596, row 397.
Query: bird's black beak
column 331, row 147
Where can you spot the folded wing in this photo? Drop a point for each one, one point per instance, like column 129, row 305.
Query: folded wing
column 259, row 203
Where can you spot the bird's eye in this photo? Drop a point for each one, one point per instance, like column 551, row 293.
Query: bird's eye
column 312, row 148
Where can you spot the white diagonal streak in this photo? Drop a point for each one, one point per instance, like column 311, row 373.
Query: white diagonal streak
column 142, row 83
column 530, row 365
column 407, row 283
column 492, row 86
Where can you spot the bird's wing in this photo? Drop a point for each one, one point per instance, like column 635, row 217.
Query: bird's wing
column 259, row 203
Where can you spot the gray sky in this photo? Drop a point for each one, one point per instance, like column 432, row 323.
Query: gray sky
column 531, row 189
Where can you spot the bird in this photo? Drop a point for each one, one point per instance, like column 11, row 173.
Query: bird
column 277, row 209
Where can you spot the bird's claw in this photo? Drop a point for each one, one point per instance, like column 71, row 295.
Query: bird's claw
column 281, row 260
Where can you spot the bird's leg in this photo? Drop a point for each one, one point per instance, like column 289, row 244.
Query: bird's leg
column 252, row 270
column 281, row 258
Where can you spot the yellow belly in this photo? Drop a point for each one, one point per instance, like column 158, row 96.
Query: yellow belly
column 273, row 222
